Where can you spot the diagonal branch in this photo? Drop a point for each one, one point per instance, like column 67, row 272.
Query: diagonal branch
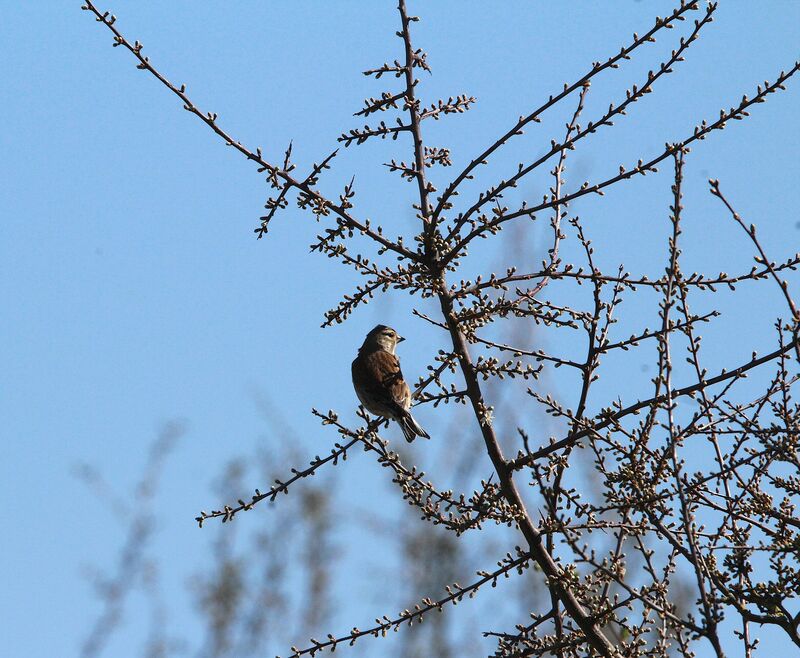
column 383, row 624
column 210, row 119
column 700, row 132
column 607, row 417
column 611, row 63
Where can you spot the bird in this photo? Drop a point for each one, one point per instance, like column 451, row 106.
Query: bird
column 379, row 384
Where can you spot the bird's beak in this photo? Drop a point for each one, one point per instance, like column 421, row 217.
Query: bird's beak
column 400, row 339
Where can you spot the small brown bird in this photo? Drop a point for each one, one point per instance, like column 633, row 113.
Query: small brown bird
column 379, row 381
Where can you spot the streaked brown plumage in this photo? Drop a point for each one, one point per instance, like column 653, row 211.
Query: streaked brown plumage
column 379, row 382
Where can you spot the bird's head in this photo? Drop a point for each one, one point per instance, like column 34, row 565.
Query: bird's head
column 382, row 338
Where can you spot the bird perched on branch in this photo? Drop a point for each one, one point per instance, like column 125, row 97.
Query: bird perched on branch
column 379, row 381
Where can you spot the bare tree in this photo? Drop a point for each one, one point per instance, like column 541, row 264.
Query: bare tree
column 695, row 481
column 134, row 567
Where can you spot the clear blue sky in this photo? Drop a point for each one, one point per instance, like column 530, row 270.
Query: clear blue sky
column 133, row 290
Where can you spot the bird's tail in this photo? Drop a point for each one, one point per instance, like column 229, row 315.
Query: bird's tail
column 411, row 428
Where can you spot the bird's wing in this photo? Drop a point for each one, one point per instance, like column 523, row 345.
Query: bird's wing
column 384, row 371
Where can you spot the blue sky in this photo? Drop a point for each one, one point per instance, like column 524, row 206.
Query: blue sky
column 133, row 288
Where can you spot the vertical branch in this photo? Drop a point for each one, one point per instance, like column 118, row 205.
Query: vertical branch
column 557, row 580
column 556, row 193
column 587, row 376
column 412, row 58
column 665, row 373
column 555, row 576
column 764, row 260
